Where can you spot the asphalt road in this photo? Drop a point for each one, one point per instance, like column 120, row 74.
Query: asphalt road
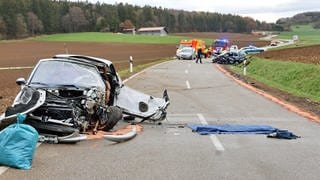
column 199, row 94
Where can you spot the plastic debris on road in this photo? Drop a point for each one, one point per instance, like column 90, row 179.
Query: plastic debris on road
column 17, row 144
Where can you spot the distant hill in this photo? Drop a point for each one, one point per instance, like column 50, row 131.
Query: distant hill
column 301, row 18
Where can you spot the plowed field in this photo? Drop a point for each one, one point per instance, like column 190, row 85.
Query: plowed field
column 307, row 54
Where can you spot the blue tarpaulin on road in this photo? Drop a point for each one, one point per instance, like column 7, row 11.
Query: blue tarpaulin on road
column 232, row 129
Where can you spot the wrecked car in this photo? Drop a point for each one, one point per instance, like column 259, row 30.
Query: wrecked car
column 68, row 95
column 229, row 57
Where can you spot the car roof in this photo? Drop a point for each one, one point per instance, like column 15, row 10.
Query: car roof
column 82, row 58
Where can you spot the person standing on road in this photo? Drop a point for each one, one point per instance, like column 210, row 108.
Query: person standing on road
column 199, row 53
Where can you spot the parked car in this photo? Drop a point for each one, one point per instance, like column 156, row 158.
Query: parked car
column 70, row 94
column 230, row 57
column 252, row 49
column 186, row 53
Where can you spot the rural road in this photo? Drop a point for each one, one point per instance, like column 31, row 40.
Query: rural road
column 283, row 42
column 199, row 93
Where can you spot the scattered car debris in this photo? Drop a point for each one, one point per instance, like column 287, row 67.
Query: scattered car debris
column 122, row 137
column 283, row 134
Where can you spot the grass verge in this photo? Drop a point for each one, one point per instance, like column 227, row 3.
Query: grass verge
column 125, row 73
column 298, row 79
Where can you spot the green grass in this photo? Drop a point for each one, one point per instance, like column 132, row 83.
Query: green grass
column 112, row 37
column 299, row 79
column 306, row 33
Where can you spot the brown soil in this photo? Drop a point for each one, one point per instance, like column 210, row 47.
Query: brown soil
column 303, row 103
column 236, row 38
column 307, row 54
column 27, row 53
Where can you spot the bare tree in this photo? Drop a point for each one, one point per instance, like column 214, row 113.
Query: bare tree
column 77, row 18
column 3, row 29
column 66, row 23
column 34, row 23
column 229, row 26
column 127, row 24
column 251, row 24
column 21, row 27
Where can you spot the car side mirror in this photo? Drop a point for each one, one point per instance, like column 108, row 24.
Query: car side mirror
column 21, row 81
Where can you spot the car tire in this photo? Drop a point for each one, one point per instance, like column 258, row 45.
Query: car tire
column 114, row 115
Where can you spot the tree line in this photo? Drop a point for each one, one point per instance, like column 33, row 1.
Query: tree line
column 23, row 18
column 312, row 18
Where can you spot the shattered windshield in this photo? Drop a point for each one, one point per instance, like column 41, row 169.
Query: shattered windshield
column 59, row 73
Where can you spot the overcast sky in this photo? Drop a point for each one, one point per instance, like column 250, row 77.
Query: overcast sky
column 263, row 10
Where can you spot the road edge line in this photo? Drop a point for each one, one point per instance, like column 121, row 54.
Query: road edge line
column 279, row 101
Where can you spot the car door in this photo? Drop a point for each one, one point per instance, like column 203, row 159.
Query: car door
column 138, row 104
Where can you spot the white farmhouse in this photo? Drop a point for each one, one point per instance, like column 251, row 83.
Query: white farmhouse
column 153, row 31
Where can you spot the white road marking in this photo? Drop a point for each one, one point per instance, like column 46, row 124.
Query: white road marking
column 188, row 84
column 216, row 142
column 186, row 71
column 21, row 67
